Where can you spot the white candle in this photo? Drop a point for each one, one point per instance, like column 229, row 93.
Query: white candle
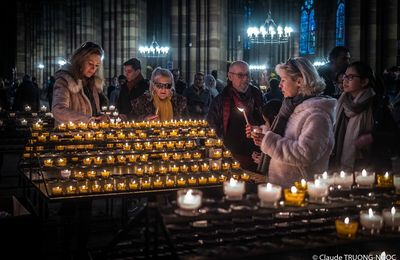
column 371, row 220
column 244, row 113
column 345, row 180
column 103, row 108
column 24, row 122
column 118, row 120
column 317, row 190
column 234, row 189
column 43, row 108
column 27, row 108
column 391, row 217
column 189, row 199
column 111, row 107
column 325, row 178
column 365, row 179
column 65, row 173
column 269, row 194
column 115, row 113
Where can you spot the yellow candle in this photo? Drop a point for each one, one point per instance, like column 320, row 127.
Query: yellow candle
column 212, row 179
column 133, row 185
column 139, row 171
column 176, row 156
column 302, row 185
column 48, row 162
column 189, row 144
column 149, row 169
column 346, row 228
column 217, row 154
column 165, row 157
column 202, row 180
column 170, row 182
column 211, row 132
column 294, row 197
column 98, row 160
column 132, row 157
column 215, row 167
column 209, row 143
column 194, row 168
column 193, row 133
column 83, row 189
column 121, row 186
column 201, row 133
column 121, row 135
column 222, row 178
column 142, row 135
column 121, row 159
column 108, row 187
column 244, row 176
column 41, row 138
column 225, row 166
column 192, row 181
column 157, row 183
column 105, row 173
column 87, row 161
column 91, row 174
column 126, row 147
column 79, row 175
column 53, row 138
column 159, row 145
column 96, row 188
column 138, row 146
column 146, row 184
column 131, row 136
column 88, row 137
column 162, row 170
column 175, row 169
column 184, row 168
column 236, row 165
column 37, row 126
column 181, row 182
column 82, row 126
column 71, row 190
column 110, row 136
column 110, row 159
column 71, row 126
column 196, row 155
column 99, row 136
column 56, row 191
column 170, row 145
column 180, row 144
column 144, row 157
column 205, row 167
column 148, row 146
column 62, row 127
column 219, row 143
column 93, row 125
column 187, row 156
column 173, row 133
column 62, row 162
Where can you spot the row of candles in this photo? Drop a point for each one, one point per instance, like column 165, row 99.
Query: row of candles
column 132, row 158
column 120, row 184
column 190, row 200
column 151, row 169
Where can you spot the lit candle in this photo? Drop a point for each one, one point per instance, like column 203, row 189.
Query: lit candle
column 189, row 199
column 99, row 136
column 317, row 191
column 227, row 154
column 215, row 166
column 87, row 161
column 391, row 217
column 194, row 168
column 212, row 133
column 98, row 160
column 302, row 185
column 196, row 155
column 48, row 162
column 184, row 168
column 346, row 228
column 165, row 157
column 121, row 186
column 170, row 183
column 83, row 189
column 325, row 178
column 202, row 180
column 162, row 169
column 108, row 187
column 209, row 143
column 244, row 176
column 103, row 108
column 79, row 175
column 105, row 173
column 294, row 197
column 371, row 221
column 43, row 108
column 133, row 185
column 171, row 145
column 71, row 126
column 24, row 122
column 385, row 180
column 189, row 144
column 212, row 179
column 27, row 108
column 244, row 113
column 173, row 133
column 176, row 156
column 225, row 166
column 139, row 170
column 365, row 179
column 111, row 107
column 234, row 189
column 62, row 162
column 269, row 194
column 71, row 190
column 82, row 126
column 110, row 159
column 175, row 169
column 65, row 173
column 236, row 165
column 144, row 157
column 181, row 181
column 157, row 183
column 180, row 144
column 192, row 181
column 41, row 138
column 53, row 138
column 121, row 159
column 222, row 178
column 91, row 174
column 201, row 133
column 142, row 135
column 62, row 126
column 159, row 145
column 205, row 167
column 219, row 143
column 217, row 154
column 187, row 156
column 148, row 146
column 345, row 180
column 56, row 191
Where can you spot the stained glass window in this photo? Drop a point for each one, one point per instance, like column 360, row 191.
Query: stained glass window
column 340, row 23
column 307, row 28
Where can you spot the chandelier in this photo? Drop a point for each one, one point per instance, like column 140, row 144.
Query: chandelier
column 154, row 50
column 269, row 32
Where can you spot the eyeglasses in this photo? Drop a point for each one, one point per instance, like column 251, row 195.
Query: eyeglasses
column 163, row 85
column 350, row 77
column 241, row 75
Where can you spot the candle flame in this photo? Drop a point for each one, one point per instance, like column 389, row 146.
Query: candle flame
column 386, row 175
column 303, row 183
column 370, row 212
column 240, row 109
column 364, row 173
column 325, row 175
column 317, row 182
column 346, row 221
column 342, row 174
column 233, row 182
column 269, row 186
column 293, row 189
column 393, row 211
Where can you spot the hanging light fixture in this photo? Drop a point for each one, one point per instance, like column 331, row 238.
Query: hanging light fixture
column 269, row 32
column 154, row 50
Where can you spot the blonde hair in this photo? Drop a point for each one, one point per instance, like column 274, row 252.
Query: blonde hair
column 80, row 56
column 301, row 67
column 163, row 73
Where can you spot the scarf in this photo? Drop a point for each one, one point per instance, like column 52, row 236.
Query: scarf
column 163, row 108
column 354, row 117
column 279, row 125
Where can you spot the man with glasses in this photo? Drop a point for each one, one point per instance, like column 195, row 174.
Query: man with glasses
column 229, row 122
column 134, row 87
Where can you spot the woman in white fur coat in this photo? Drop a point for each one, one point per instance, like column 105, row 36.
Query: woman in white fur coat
column 301, row 137
column 78, row 90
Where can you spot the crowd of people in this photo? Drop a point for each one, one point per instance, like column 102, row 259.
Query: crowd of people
column 340, row 116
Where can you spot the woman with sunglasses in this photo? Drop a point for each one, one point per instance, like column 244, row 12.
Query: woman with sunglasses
column 366, row 135
column 300, row 139
column 160, row 102
column 78, row 89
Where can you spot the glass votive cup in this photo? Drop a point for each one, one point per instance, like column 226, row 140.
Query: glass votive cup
column 227, row 154
column 326, row 178
column 235, row 165
column 110, row 159
column 317, row 191
column 212, row 179
column 62, row 162
column 71, row 188
column 108, row 185
column 209, row 143
column 158, row 183
column 132, row 158
column 344, row 179
column 121, row 158
column 83, row 187
column 95, row 187
column 162, row 169
column 294, row 197
column 234, row 189
column 301, row 185
column 384, row 180
column 396, row 183
column 196, row 155
column 192, row 181
column 105, row 173
column 145, row 183
column 244, row 176
column 176, row 156
column 269, row 195
column 144, row 157
column 189, row 201
column 187, row 156
column 133, row 184
column 371, row 221
column 391, row 218
column 169, row 182
column 216, row 165
column 121, row 184
column 181, row 181
column 56, row 188
column 365, row 179
column 205, row 167
column 346, row 228
column 138, row 170
column 98, row 160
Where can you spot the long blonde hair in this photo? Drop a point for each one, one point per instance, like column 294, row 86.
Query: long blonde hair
column 79, row 57
column 301, row 67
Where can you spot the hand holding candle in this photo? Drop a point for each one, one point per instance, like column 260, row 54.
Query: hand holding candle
column 245, row 115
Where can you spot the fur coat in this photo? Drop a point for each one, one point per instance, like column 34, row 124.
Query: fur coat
column 70, row 104
column 308, row 141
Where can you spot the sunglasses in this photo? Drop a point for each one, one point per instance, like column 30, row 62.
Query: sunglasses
column 163, row 85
